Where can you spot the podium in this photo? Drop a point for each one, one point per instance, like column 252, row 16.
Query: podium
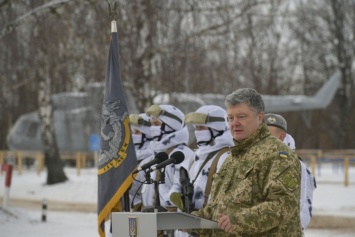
column 146, row 224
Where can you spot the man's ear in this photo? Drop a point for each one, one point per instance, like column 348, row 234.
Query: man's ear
column 282, row 136
column 261, row 116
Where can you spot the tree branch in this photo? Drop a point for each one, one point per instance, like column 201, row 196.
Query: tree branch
column 35, row 12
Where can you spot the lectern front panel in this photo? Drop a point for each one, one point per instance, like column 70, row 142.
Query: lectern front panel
column 134, row 224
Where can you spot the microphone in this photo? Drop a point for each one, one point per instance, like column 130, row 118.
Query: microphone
column 160, row 157
column 176, row 158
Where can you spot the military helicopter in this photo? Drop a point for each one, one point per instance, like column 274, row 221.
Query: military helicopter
column 273, row 103
column 77, row 115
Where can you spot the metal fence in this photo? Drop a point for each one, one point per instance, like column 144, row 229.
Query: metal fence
column 314, row 157
column 317, row 157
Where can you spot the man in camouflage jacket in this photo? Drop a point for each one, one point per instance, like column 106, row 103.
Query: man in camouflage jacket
column 257, row 190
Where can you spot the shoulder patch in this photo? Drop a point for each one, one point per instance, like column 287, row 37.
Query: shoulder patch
column 289, row 180
column 283, row 154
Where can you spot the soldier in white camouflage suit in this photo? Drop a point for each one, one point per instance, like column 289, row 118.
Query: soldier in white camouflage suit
column 214, row 139
column 257, row 190
column 140, row 126
column 170, row 135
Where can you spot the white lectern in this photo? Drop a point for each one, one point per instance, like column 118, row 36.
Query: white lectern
column 146, row 224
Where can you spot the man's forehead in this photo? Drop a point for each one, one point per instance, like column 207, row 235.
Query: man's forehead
column 239, row 108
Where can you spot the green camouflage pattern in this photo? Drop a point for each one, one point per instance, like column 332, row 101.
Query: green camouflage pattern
column 258, row 187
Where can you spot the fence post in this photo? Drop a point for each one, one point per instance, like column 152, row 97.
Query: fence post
column 40, row 161
column 19, row 162
column 83, row 155
column 346, row 171
column 78, row 162
column 313, row 164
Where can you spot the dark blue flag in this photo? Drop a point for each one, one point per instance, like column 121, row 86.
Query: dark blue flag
column 117, row 158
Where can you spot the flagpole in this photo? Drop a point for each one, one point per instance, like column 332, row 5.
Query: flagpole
column 126, row 207
column 126, row 201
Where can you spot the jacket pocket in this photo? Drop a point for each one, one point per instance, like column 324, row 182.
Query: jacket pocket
column 242, row 186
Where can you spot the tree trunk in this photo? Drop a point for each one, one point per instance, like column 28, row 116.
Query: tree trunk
column 143, row 55
column 55, row 171
column 345, row 65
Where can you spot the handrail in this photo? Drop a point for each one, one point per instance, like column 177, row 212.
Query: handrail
column 315, row 156
column 320, row 156
column 80, row 158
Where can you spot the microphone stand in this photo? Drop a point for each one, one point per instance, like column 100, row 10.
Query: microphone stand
column 157, row 207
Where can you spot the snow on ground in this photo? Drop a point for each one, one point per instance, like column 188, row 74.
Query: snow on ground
column 68, row 217
column 331, row 196
column 28, row 223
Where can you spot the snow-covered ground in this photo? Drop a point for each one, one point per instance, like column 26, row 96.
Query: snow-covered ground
column 72, row 205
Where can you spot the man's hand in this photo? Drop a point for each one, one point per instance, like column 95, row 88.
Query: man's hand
column 224, row 223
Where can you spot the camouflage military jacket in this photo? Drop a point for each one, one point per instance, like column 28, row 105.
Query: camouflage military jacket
column 258, row 187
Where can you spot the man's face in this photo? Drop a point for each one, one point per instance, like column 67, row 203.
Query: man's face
column 136, row 131
column 155, row 122
column 243, row 121
column 200, row 127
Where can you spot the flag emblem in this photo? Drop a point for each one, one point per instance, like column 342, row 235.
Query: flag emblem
column 132, row 221
column 283, row 154
column 112, row 151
